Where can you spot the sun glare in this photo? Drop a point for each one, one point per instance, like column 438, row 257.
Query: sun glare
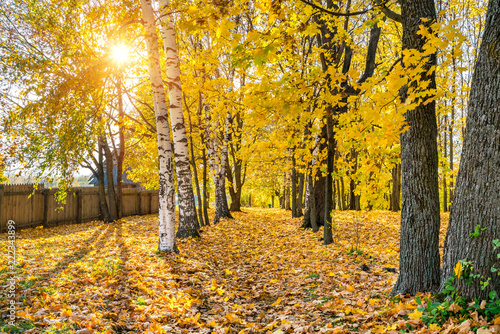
column 120, row 53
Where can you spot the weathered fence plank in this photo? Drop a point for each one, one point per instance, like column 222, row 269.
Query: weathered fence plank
column 30, row 207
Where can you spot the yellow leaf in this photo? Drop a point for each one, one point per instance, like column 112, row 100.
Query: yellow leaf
column 192, row 9
column 458, row 269
column 415, row 315
column 434, row 327
column 228, row 272
column 277, row 302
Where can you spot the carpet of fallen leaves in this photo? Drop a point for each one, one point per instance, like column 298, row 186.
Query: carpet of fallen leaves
column 257, row 273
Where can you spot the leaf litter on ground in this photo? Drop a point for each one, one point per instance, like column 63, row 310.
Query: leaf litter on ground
column 257, row 273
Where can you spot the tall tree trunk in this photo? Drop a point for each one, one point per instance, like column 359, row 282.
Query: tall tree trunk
column 339, row 194
column 103, row 205
column 342, row 189
column 236, row 181
column 315, row 214
column 313, row 210
column 355, row 200
column 188, row 222
column 235, row 185
column 166, row 190
column 219, row 168
column 235, row 200
column 113, row 210
column 419, row 264
column 306, row 221
column 287, row 192
column 120, row 156
column 477, row 191
column 193, row 161
column 445, row 149
column 300, row 195
column 205, row 185
column 452, row 122
column 294, row 187
column 329, row 58
column 327, row 231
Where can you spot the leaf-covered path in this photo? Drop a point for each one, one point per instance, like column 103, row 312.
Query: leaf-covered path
column 258, row 273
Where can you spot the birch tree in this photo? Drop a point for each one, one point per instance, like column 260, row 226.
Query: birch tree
column 188, row 221
column 166, row 194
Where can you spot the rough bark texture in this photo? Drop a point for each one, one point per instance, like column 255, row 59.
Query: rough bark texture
column 188, row 222
column 323, row 186
column 419, row 265
column 477, row 191
column 166, row 193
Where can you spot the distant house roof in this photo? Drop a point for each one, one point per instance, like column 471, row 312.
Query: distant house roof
column 125, row 180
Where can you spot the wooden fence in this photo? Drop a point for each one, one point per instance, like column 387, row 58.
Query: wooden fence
column 29, row 207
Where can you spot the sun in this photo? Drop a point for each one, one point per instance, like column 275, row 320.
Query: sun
column 120, row 53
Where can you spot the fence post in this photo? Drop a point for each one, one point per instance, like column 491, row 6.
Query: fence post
column 45, row 208
column 79, row 206
column 139, row 212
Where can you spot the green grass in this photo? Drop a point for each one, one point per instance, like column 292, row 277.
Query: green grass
column 140, row 301
column 17, row 328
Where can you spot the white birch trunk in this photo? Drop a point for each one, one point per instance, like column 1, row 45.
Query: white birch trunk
column 188, row 221
column 166, row 210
